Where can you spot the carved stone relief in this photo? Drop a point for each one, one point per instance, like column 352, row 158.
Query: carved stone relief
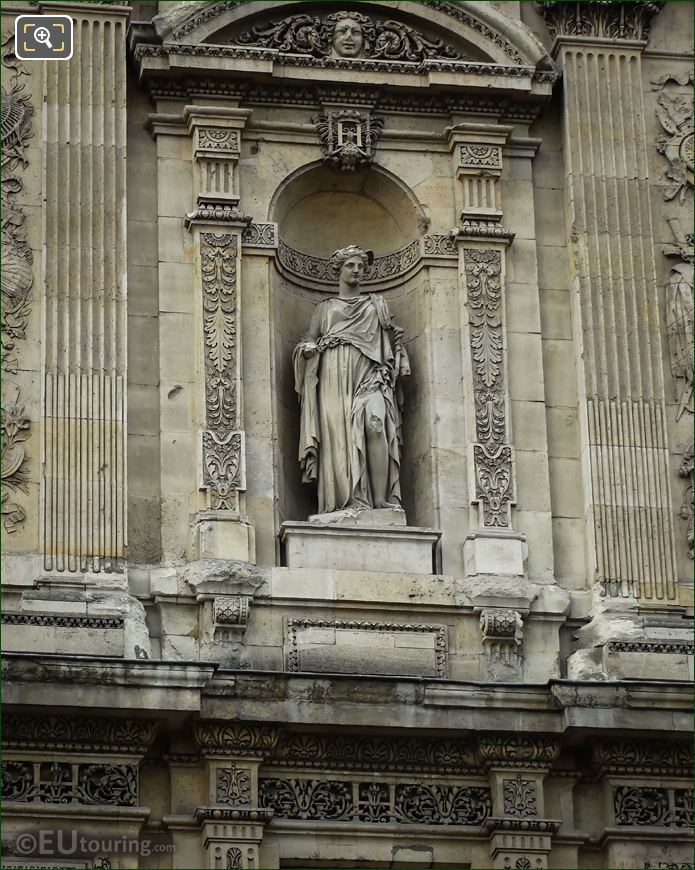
column 519, row 796
column 503, row 634
column 348, row 137
column 346, row 35
column 675, row 114
column 233, row 786
column 17, row 281
column 492, row 457
column 405, row 803
column 658, row 807
column 63, row 782
column 222, row 446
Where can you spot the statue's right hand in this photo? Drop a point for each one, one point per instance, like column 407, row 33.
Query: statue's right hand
column 310, row 349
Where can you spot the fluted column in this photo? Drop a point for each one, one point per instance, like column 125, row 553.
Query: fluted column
column 84, row 406
column 611, row 243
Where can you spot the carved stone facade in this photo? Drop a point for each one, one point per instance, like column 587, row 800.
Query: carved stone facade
column 460, row 231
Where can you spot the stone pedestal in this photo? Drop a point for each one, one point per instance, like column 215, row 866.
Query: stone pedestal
column 360, row 548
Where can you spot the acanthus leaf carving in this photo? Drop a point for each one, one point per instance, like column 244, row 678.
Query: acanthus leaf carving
column 603, row 19
column 233, row 786
column 652, row 806
column 222, row 466
column 520, row 797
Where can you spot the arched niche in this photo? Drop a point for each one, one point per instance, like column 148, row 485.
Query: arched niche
column 318, row 211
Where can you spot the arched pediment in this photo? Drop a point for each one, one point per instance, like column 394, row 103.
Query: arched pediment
column 436, row 30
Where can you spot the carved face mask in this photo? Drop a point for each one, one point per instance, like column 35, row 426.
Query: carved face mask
column 348, row 39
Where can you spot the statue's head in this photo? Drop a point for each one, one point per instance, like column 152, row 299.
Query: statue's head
column 351, row 263
column 348, row 33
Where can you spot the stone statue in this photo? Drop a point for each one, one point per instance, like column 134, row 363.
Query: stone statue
column 347, row 374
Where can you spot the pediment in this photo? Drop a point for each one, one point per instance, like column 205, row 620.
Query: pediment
column 396, row 32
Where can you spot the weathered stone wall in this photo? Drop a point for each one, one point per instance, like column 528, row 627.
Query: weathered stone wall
column 502, row 675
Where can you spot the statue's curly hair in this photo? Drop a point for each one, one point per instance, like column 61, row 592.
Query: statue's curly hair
column 344, row 254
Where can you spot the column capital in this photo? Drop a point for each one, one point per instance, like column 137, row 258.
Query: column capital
column 594, row 20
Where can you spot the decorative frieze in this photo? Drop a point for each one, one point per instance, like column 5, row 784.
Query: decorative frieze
column 511, row 750
column 17, row 283
column 61, row 620
column 642, row 758
column 92, row 734
column 405, row 803
column 235, row 738
column 374, row 753
column 348, row 137
column 59, row 782
column 654, row 807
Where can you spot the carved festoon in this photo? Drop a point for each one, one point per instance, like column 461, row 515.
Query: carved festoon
column 348, row 137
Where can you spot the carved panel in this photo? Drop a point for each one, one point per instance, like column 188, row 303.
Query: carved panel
column 233, row 786
column 216, row 139
column 675, row 114
column 480, row 156
column 511, row 750
column 260, row 235
column 222, row 446
column 62, row 782
column 17, row 281
column 503, row 633
column 405, row 803
column 659, row 807
column 231, row 610
column 519, row 797
column 348, row 137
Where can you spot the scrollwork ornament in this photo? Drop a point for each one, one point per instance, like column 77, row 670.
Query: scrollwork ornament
column 675, row 114
column 519, row 797
column 222, row 457
column 493, row 483
column 233, row 786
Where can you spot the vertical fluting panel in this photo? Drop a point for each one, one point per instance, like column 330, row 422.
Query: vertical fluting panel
column 612, row 237
column 84, row 474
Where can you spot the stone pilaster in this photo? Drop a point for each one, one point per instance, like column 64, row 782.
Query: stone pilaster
column 492, row 546
column 611, row 242
column 232, row 824
column 520, row 831
column 221, row 528
column 83, row 492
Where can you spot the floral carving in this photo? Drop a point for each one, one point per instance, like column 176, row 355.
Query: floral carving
column 662, row 807
column 439, row 246
column 17, row 278
column 236, row 738
column 666, row 758
column 480, row 156
column 442, row 804
column 222, row 467
column 605, row 19
column 348, row 137
column 492, row 458
column 234, row 857
column 328, row 800
column 218, row 254
column 84, row 735
column 218, row 139
column 503, row 633
column 233, row 786
column 260, row 235
column 14, row 428
column 323, row 37
column 60, row 782
column 513, row 750
column 519, row 797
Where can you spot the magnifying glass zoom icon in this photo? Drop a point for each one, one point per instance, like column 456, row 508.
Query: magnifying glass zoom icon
column 43, row 36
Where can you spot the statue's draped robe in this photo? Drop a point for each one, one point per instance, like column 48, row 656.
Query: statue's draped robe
column 350, row 385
